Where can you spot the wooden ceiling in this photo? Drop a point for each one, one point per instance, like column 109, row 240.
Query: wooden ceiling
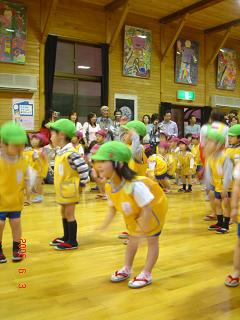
column 218, row 13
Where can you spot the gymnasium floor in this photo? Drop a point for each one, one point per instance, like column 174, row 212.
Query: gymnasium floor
column 188, row 278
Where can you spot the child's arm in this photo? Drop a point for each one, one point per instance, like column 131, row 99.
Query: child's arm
column 78, row 163
column 192, row 162
column 227, row 179
column 109, row 218
column 235, row 193
column 137, row 150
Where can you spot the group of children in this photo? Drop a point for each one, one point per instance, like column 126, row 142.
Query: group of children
column 134, row 178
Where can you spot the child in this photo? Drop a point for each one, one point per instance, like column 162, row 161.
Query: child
column 13, row 181
column 196, row 152
column 134, row 132
column 219, row 168
column 234, row 141
column 69, row 169
column 233, row 280
column 142, row 203
column 173, row 151
column 51, row 152
column 185, row 165
column 38, row 163
column 76, row 142
column 163, row 148
column 189, row 138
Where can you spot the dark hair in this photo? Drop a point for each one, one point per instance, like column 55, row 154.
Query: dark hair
column 73, row 112
column 148, row 116
column 235, row 112
column 117, row 111
column 167, row 111
column 44, row 122
column 217, row 116
column 155, row 116
column 188, row 135
column 192, row 116
column 124, row 171
column 90, row 116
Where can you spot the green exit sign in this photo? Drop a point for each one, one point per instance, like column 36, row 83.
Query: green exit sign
column 186, row 95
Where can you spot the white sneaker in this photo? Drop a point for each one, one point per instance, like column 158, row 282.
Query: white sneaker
column 140, row 281
column 120, row 275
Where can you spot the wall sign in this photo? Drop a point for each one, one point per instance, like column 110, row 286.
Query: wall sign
column 185, row 95
column 23, row 113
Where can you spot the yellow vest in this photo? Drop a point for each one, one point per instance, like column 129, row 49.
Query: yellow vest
column 233, row 153
column 171, row 164
column 161, row 164
column 66, row 179
column 12, row 183
column 217, row 174
column 139, row 168
column 124, row 202
column 196, row 152
column 184, row 161
column 39, row 163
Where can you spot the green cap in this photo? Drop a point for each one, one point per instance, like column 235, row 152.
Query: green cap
column 113, row 151
column 234, row 131
column 138, row 126
column 13, row 133
column 217, row 132
column 65, row 126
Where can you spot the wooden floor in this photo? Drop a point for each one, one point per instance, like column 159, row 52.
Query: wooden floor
column 188, row 278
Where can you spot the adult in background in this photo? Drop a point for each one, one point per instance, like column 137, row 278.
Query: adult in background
column 105, row 122
column 90, row 128
column 192, row 128
column 168, row 126
column 147, row 121
column 233, row 113
column 154, row 130
column 74, row 118
column 51, row 116
column 115, row 128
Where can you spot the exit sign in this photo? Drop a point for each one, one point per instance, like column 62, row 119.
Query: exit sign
column 186, row 95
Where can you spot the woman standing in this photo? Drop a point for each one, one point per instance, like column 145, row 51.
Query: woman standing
column 74, row 118
column 90, row 128
column 147, row 121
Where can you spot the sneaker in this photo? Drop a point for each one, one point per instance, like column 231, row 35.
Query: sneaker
column 66, row 246
column 188, row 190
column 222, row 231
column 3, row 259
column 140, row 281
column 95, row 188
column 38, row 199
column 231, row 281
column 181, row 190
column 17, row 256
column 121, row 275
column 214, row 227
column 56, row 241
column 123, row 235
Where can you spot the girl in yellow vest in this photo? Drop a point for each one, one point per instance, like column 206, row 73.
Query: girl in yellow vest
column 70, row 170
column 196, row 152
column 186, row 165
column 142, row 203
column 76, row 142
column 13, row 182
column 174, row 150
column 232, row 280
column 218, row 173
column 38, row 163
column 233, row 151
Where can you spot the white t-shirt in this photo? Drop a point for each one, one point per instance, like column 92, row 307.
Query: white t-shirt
column 90, row 131
column 78, row 126
column 141, row 194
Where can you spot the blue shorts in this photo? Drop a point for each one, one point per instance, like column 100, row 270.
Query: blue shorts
column 238, row 230
column 157, row 234
column 219, row 196
column 10, row 215
column 162, row 176
column 199, row 168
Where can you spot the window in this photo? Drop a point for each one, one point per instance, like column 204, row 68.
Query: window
column 78, row 76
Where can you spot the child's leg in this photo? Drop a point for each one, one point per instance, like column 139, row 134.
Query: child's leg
column 226, row 211
column 72, row 223
column 65, row 224
column 16, row 232
column 236, row 260
column 2, row 225
column 219, row 210
column 189, row 178
column 167, row 183
column 152, row 255
column 132, row 247
column 39, row 186
column 212, row 202
column 183, row 178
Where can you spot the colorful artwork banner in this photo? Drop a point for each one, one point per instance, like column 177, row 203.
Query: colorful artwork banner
column 227, row 69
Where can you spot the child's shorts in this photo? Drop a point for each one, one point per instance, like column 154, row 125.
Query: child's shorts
column 162, row 176
column 238, row 230
column 219, row 196
column 10, row 215
column 199, row 168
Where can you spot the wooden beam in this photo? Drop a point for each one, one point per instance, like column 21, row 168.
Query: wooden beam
column 112, row 6
column 178, row 31
column 221, row 44
column 47, row 22
column 119, row 26
column 223, row 27
column 200, row 5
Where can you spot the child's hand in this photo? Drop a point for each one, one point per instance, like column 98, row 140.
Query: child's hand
column 234, row 215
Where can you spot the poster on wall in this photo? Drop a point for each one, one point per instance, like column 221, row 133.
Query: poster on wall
column 23, row 113
column 127, row 104
column 187, row 61
column 227, row 69
column 13, row 31
column 137, row 52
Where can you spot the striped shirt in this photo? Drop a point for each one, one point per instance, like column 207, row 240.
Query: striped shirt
column 78, row 163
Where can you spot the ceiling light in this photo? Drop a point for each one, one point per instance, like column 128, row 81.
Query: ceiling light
column 142, row 36
column 84, row 67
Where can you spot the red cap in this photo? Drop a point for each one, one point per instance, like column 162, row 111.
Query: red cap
column 195, row 136
column 79, row 134
column 40, row 136
column 102, row 133
column 184, row 141
column 163, row 144
column 175, row 139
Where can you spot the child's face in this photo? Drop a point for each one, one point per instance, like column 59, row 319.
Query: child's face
column 182, row 147
column 104, row 169
column 12, row 149
column 162, row 137
column 195, row 142
column 35, row 142
column 161, row 150
column 189, row 139
column 99, row 138
column 127, row 138
column 233, row 140
column 58, row 139
column 75, row 140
